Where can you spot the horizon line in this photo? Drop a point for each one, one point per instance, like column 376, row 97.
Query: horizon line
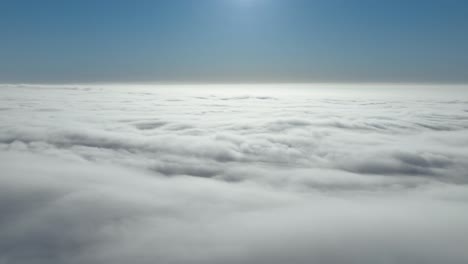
column 228, row 83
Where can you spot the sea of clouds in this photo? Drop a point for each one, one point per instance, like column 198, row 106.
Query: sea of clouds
column 268, row 174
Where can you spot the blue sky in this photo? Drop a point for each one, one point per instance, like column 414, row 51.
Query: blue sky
column 60, row 41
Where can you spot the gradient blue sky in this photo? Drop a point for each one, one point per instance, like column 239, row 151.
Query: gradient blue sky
column 59, row 41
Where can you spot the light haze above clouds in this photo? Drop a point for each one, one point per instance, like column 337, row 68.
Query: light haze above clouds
column 239, row 174
column 234, row 41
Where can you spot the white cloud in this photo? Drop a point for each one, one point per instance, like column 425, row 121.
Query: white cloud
column 93, row 174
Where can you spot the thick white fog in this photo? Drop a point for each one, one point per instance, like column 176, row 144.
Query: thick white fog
column 268, row 174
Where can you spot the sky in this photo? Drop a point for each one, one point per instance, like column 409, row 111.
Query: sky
column 239, row 41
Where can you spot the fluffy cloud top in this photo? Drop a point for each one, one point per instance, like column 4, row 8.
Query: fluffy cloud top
column 271, row 174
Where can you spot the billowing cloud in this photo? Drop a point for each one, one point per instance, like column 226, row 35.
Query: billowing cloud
column 96, row 174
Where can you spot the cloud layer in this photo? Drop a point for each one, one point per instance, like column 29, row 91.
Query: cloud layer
column 246, row 174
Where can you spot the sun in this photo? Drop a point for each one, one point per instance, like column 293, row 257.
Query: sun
column 245, row 2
